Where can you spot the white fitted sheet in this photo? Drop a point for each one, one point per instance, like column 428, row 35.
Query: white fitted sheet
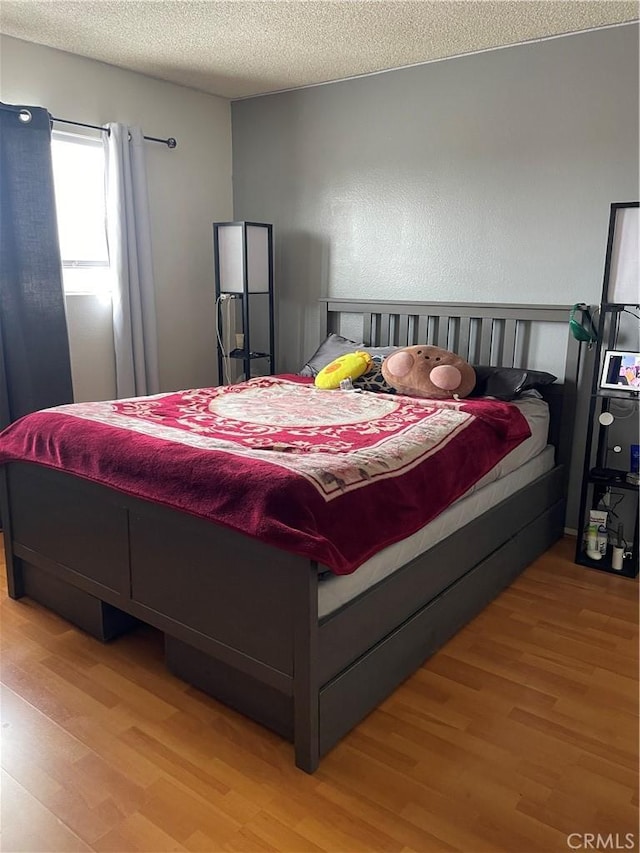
column 522, row 466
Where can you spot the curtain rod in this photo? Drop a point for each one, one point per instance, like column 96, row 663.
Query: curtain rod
column 170, row 142
column 25, row 117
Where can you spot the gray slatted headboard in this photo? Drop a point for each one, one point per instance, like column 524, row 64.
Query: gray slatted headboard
column 482, row 333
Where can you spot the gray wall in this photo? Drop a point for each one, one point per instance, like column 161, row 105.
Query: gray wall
column 481, row 178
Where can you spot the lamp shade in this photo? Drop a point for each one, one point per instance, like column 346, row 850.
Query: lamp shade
column 623, row 274
column 244, row 257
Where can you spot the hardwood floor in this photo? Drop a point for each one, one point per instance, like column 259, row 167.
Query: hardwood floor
column 521, row 731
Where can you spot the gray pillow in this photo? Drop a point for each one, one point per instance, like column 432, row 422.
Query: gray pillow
column 333, row 347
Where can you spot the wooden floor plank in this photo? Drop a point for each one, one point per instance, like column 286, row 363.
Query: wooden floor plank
column 28, row 826
column 523, row 729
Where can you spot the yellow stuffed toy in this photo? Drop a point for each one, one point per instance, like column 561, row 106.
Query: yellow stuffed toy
column 348, row 366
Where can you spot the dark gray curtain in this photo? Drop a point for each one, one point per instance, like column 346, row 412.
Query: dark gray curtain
column 35, row 369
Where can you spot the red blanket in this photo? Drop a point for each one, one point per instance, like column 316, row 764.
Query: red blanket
column 332, row 475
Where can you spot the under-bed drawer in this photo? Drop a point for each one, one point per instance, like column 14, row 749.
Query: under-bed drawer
column 72, row 522
column 96, row 617
column 346, row 699
column 350, row 631
column 235, row 688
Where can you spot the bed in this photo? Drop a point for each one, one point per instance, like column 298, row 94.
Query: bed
column 252, row 623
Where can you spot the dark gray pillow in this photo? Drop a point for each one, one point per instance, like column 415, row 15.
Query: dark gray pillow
column 507, row 383
column 333, row 347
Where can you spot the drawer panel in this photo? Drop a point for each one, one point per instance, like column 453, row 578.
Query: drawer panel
column 220, row 583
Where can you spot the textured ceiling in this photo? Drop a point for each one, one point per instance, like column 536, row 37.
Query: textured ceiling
column 238, row 48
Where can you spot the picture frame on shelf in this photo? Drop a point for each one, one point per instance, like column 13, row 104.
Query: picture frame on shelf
column 621, row 371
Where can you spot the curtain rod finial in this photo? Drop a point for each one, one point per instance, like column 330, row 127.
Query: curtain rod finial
column 171, row 143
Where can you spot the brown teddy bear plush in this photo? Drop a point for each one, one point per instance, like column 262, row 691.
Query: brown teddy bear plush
column 425, row 371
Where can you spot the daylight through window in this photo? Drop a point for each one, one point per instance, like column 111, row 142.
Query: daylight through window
column 78, row 171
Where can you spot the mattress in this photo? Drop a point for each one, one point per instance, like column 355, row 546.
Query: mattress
column 522, row 466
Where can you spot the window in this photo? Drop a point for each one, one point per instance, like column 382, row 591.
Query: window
column 78, row 174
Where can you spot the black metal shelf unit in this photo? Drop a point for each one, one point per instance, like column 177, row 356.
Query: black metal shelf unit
column 243, row 271
column 600, row 483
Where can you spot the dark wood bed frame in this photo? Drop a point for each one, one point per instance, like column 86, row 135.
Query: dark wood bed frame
column 240, row 618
